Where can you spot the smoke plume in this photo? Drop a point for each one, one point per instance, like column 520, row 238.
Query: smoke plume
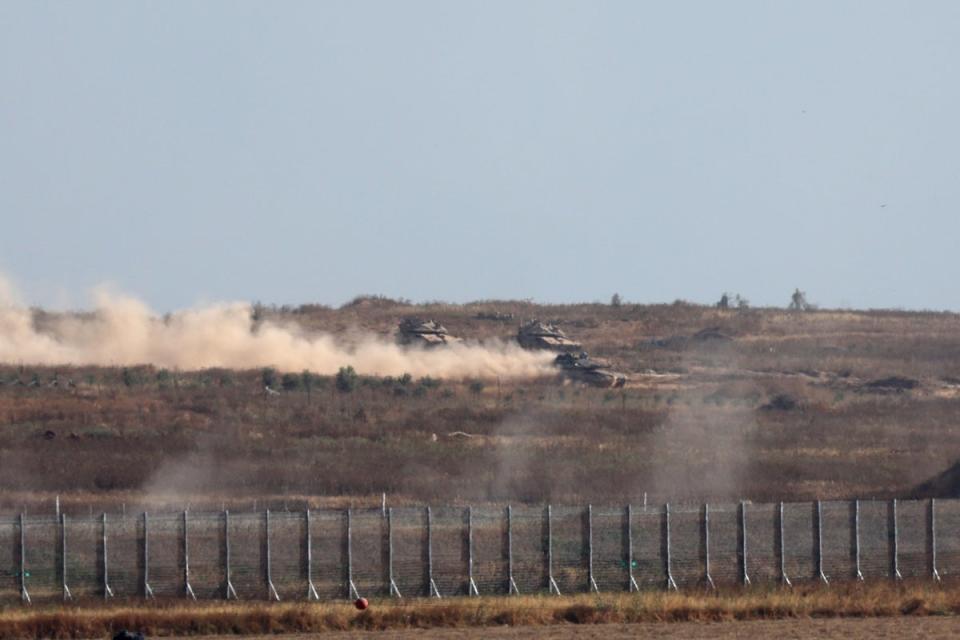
column 122, row 331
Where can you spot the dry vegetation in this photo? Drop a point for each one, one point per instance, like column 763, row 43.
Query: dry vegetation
column 179, row 618
column 783, row 410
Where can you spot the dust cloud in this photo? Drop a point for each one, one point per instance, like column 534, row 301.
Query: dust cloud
column 706, row 449
column 123, row 331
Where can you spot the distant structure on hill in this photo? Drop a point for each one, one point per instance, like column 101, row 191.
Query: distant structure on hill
column 798, row 302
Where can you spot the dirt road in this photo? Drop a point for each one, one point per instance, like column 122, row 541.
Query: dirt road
column 848, row 629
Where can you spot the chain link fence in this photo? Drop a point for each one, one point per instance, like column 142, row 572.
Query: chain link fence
column 447, row 551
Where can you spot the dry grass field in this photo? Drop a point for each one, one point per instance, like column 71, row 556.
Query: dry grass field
column 918, row 601
column 790, row 629
column 787, row 406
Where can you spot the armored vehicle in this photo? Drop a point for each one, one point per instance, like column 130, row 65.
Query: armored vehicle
column 426, row 333
column 542, row 335
column 582, row 368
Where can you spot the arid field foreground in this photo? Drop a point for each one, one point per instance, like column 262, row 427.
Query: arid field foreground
column 897, row 610
column 797, row 629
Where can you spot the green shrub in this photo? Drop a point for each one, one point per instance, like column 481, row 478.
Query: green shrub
column 429, row 383
column 290, row 382
column 269, row 377
column 346, row 379
column 307, row 380
column 129, row 378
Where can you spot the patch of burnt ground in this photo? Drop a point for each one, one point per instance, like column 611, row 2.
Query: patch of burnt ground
column 781, row 402
column 892, row 384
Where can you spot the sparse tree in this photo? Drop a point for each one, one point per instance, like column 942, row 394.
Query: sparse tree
column 306, row 381
column 346, row 379
column 269, row 377
column 257, row 312
column 616, row 300
column 798, row 301
column 429, row 383
column 290, row 382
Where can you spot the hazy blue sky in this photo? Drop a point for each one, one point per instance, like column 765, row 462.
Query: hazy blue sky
column 310, row 151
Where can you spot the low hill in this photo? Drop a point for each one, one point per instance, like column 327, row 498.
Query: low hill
column 721, row 405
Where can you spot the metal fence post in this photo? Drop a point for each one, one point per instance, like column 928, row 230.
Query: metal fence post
column 228, row 591
column 271, row 590
column 352, row 592
column 707, row 578
column 311, row 589
column 24, row 594
column 856, row 540
column 511, row 584
column 668, row 560
column 187, row 589
column 432, row 590
column 895, row 559
column 147, row 591
column 551, row 583
column 471, row 585
column 744, row 575
column 394, row 590
column 631, row 580
column 781, row 547
column 107, row 591
column 591, row 582
column 63, row 557
column 933, row 540
column 820, row 574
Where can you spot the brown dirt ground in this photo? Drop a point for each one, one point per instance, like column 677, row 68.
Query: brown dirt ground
column 807, row 629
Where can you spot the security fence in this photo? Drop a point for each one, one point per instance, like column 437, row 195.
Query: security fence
column 424, row 552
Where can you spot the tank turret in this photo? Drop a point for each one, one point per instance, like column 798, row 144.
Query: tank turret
column 582, row 368
column 427, row 333
column 543, row 335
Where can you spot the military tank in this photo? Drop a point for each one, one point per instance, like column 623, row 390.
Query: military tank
column 426, row 333
column 543, row 335
column 580, row 367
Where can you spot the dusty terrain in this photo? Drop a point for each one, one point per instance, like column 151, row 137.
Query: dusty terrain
column 848, row 629
column 768, row 405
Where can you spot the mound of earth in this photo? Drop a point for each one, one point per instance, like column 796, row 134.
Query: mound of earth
column 892, row 384
column 780, row 402
column 943, row 485
column 711, row 334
